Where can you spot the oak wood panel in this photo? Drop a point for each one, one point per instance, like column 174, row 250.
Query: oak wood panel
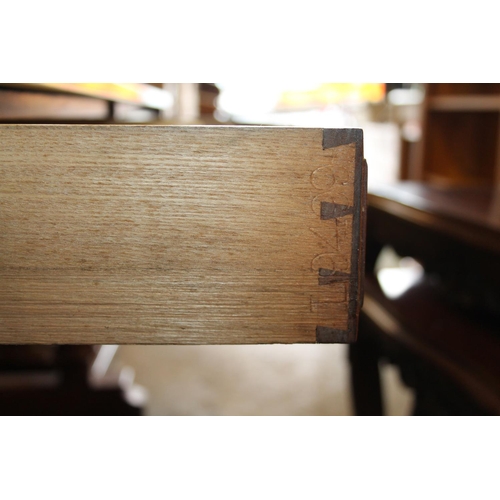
column 155, row 234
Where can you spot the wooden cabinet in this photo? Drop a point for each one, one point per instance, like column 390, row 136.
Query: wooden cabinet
column 84, row 102
column 460, row 135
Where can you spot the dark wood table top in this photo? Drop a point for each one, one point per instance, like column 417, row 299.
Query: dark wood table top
column 470, row 214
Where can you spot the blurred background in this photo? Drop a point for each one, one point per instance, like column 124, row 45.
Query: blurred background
column 429, row 332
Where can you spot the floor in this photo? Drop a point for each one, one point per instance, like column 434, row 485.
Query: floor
column 250, row 380
column 264, row 379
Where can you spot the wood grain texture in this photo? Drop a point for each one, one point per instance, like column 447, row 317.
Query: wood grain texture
column 179, row 235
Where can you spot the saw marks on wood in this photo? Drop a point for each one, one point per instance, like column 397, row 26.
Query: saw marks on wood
column 181, row 235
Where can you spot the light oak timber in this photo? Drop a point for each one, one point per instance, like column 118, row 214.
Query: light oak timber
column 180, row 235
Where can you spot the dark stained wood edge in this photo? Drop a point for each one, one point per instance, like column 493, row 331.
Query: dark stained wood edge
column 333, row 138
column 362, row 253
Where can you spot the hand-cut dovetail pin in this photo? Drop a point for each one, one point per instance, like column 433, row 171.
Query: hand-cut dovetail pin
column 334, row 210
column 327, row 335
column 327, row 276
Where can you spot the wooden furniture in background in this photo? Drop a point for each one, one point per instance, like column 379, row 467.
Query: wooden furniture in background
column 181, row 235
column 208, row 93
column 83, row 102
column 443, row 332
column 460, row 143
column 64, row 380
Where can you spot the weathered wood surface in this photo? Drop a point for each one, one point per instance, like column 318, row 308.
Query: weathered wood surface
column 179, row 235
